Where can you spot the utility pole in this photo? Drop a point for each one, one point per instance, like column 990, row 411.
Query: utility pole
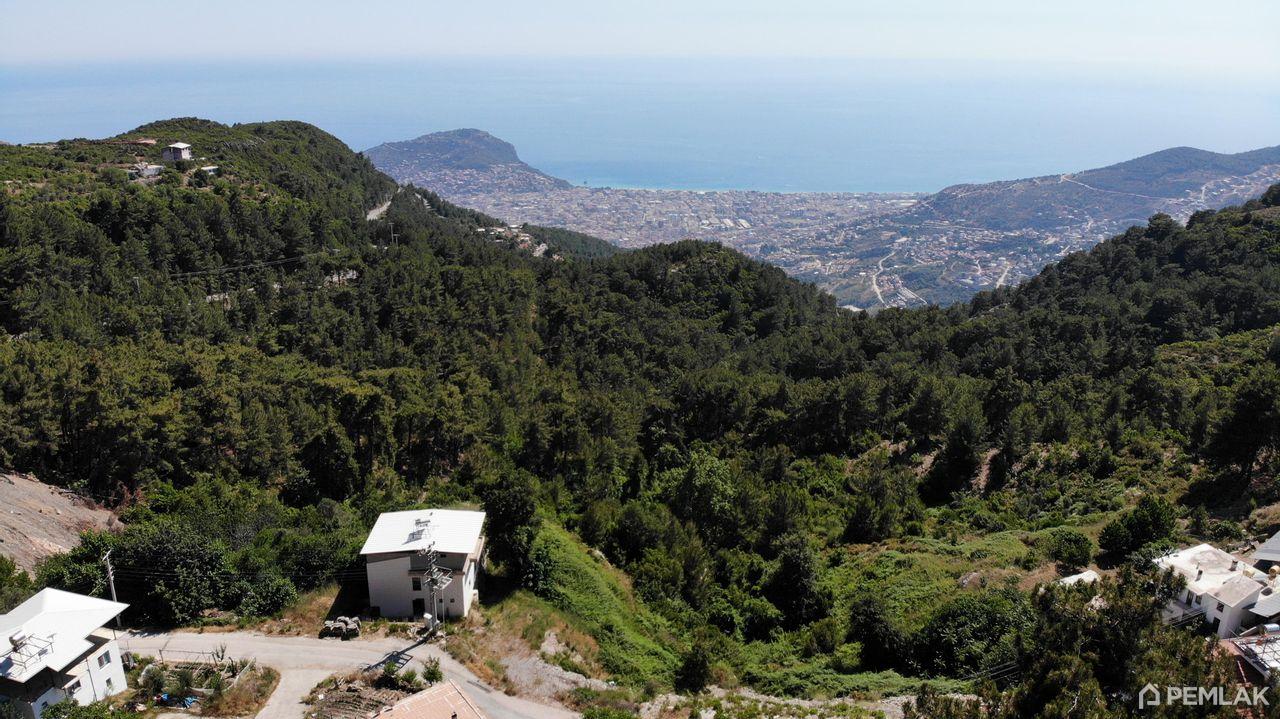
column 111, row 581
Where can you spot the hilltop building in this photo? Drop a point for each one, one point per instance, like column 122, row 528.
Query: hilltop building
column 1229, row 593
column 176, row 151
column 423, row 562
column 56, row 647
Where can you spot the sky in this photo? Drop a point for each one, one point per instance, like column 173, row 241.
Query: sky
column 1224, row 37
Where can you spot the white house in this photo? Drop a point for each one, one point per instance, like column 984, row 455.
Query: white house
column 55, row 647
column 1231, row 593
column 424, row 558
column 176, row 151
column 144, row 170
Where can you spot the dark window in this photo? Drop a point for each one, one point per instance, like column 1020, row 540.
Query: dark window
column 417, row 584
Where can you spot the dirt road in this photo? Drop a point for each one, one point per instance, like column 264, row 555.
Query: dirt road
column 304, row 661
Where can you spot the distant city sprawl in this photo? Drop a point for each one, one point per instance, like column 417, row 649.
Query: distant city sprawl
column 870, row 250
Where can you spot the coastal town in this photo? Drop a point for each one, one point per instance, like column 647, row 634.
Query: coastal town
column 870, row 250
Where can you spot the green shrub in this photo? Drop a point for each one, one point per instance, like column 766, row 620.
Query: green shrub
column 431, row 672
column 847, row 659
column 1152, row 520
column 606, row 713
column 1069, row 547
column 695, row 669
column 268, row 596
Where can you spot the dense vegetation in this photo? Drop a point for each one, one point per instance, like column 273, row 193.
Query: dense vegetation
column 805, row 499
column 1090, row 651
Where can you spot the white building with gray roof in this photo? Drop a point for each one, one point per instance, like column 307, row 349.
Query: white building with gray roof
column 1228, row 591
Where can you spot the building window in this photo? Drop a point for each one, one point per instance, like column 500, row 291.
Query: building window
column 73, row 688
column 451, row 600
column 417, row 584
column 1220, row 606
column 104, row 658
column 1199, row 599
column 110, row 687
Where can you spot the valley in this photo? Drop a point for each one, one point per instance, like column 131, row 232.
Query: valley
column 701, row 479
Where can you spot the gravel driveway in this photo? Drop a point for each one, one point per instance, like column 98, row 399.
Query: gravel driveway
column 304, row 661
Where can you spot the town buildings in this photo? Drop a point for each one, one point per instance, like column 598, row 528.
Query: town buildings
column 423, row 562
column 56, row 647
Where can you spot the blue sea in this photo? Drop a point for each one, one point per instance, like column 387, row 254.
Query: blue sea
column 802, row 125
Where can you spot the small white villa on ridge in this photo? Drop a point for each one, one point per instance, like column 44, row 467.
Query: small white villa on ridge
column 424, row 561
column 56, row 647
column 176, row 151
column 1229, row 593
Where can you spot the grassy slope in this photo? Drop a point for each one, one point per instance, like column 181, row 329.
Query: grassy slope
column 634, row 644
column 602, row 630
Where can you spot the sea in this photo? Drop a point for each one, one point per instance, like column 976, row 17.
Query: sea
column 726, row 123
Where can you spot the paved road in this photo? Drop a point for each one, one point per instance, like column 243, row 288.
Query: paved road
column 304, row 661
column 875, row 276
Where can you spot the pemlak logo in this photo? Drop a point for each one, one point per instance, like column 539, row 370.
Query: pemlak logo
column 1153, row 696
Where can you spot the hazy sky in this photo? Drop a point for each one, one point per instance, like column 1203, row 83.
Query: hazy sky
column 1229, row 37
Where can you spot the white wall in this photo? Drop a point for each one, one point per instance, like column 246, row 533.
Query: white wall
column 1229, row 618
column 391, row 589
column 96, row 682
column 103, row 681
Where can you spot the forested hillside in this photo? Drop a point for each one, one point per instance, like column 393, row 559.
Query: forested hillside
column 804, row 499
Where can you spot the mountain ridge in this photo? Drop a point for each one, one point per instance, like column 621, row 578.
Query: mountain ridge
column 431, row 160
column 1156, row 182
column 800, row 496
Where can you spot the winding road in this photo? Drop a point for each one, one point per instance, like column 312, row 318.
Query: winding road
column 304, row 661
column 875, row 277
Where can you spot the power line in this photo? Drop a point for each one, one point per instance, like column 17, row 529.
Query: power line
column 137, row 573
column 253, row 265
